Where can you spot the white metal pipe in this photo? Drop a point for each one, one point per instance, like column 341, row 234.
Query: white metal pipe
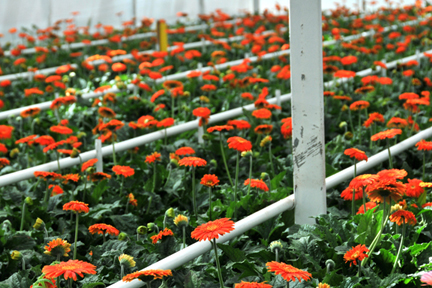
column 193, row 251
column 183, row 256
column 99, row 156
column 307, row 109
column 45, row 71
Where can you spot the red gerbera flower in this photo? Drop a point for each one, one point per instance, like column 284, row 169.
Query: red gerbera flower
column 88, row 164
column 147, row 275
column 359, row 105
column 369, row 205
column 239, row 144
column 106, row 112
column 103, row 229
column 220, row 128
column 184, row 151
column 98, row 176
column 6, row 132
column 125, row 171
column 288, row 272
column 112, row 125
column 239, row 124
column 76, row 206
column 155, row 156
column 203, row 112
column 25, row 139
column 387, row 134
column 357, row 253
column 45, row 140
column 413, row 188
column 61, row 130
column 424, row 145
column 209, row 180
column 356, row 153
column 192, row 161
column 47, row 175
column 4, row 162
column 212, row 229
column 157, row 237
column 257, row 183
column 69, row 269
column 262, row 113
column 252, row 285
column 403, row 216
column 167, row 122
column 347, row 194
column 30, row 112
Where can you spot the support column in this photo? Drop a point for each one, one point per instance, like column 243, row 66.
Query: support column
column 201, row 7
column 256, row 6
column 307, row 106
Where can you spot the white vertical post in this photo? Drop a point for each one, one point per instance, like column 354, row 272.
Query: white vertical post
column 256, row 6
column 384, row 71
column 200, row 134
column 203, row 46
column 30, row 74
column 418, row 56
column 201, row 7
column 56, row 95
column 134, row 12
column 98, row 148
column 278, row 94
column 307, row 109
column 200, row 66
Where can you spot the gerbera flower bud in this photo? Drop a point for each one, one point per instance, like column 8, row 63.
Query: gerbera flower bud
column 18, row 119
column 16, row 255
column 264, row 175
column 206, row 137
column 81, row 134
column 170, row 213
column 348, row 135
column 122, row 236
column 36, row 120
column 256, row 154
column 75, row 153
column 344, row 108
column 396, row 207
column 204, row 99
column 57, row 247
column 342, row 124
column 181, row 220
column 14, row 152
column 39, row 224
column 151, row 226
column 65, row 79
column 266, row 140
column 142, row 230
column 90, row 170
column 28, row 201
column 186, row 94
column 275, row 245
column 127, row 260
column 246, row 153
column 213, row 163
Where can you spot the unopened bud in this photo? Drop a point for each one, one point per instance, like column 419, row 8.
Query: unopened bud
column 213, row 163
column 264, row 175
column 246, row 153
column 81, row 134
column 344, row 107
column 75, row 153
column 142, row 230
column 90, row 170
column 28, row 201
column 181, row 220
column 348, row 135
column 16, row 255
column 39, row 224
column 14, row 152
column 151, row 226
column 342, row 124
column 276, row 245
column 122, row 236
column 170, row 213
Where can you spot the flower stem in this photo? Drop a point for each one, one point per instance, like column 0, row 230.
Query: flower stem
column 184, row 236
column 271, row 161
column 22, row 216
column 122, row 271
column 236, row 183
column 250, row 173
column 364, row 200
column 23, row 263
column 210, row 203
column 218, row 264
column 353, row 191
column 400, row 248
column 121, row 186
column 165, row 138
column 114, row 156
column 193, row 194
column 277, row 255
column 76, row 236
column 224, row 159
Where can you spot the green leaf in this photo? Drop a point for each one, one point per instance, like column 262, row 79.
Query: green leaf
column 234, row 254
column 248, row 269
column 277, row 179
column 192, row 280
column 92, row 285
column 100, row 188
column 392, row 280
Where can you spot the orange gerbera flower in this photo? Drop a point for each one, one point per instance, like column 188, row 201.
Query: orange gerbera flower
column 157, row 237
column 403, row 216
column 3, row 148
column 30, row 112
column 70, row 177
column 88, row 164
column 184, row 151
column 212, row 229
column 112, row 125
column 369, row 205
column 61, row 130
column 167, row 122
column 4, row 162
column 56, row 190
column 45, row 140
column 118, row 67
column 344, row 74
column 47, row 175
column 387, row 134
column 106, row 112
column 413, row 188
column 98, row 176
column 288, row 272
column 385, row 189
column 6, row 132
column 192, row 161
column 347, row 194
column 220, row 128
column 76, row 206
column 408, row 95
column 171, row 84
column 125, row 171
column 239, row 144
column 103, row 229
column 424, row 145
column 57, row 247
column 203, row 112
column 252, row 285
column 363, row 180
column 147, row 275
column 359, row 105
column 263, row 129
column 262, row 113
column 392, row 174
column 155, row 156
column 25, row 139
column 257, row 183
column 239, row 124
column 69, row 269
column 359, row 155
column 357, row 253
column 209, row 180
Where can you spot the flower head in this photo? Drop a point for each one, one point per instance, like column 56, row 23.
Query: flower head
column 127, row 260
column 357, row 253
column 147, row 275
column 57, row 247
column 61, row 130
column 252, row 285
column 103, row 229
column 6, row 132
column 220, row 128
column 181, row 220
column 209, row 180
column 76, row 206
column 192, row 161
column 125, row 171
column 257, row 183
column 184, row 151
column 69, row 269
column 157, row 237
column 427, row 278
column 369, row 205
column 288, row 272
column 239, row 124
column 212, row 229
column 98, row 176
column 359, row 155
column 413, row 188
column 424, row 145
column 239, row 144
column 155, row 156
column 88, row 164
column 403, row 216
column 387, row 134
column 262, row 113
